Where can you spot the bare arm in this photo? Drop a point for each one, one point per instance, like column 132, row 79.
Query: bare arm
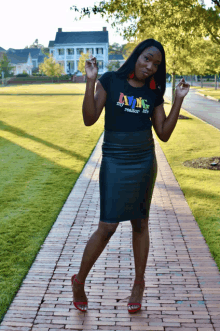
column 163, row 125
column 93, row 104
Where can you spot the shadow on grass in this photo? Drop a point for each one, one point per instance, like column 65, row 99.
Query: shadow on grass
column 33, row 192
column 21, row 133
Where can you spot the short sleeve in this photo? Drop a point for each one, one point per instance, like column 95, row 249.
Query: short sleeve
column 159, row 99
column 105, row 80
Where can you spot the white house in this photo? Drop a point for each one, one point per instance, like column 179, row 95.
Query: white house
column 67, row 47
column 21, row 61
column 25, row 59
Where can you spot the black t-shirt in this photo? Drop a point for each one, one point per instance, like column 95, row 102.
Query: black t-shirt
column 128, row 108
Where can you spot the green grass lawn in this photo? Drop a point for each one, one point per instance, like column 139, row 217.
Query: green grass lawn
column 193, row 139
column 44, row 146
column 46, row 88
column 210, row 92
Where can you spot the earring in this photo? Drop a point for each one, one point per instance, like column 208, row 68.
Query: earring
column 131, row 75
column 152, row 84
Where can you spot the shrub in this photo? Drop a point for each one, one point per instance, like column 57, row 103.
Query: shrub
column 22, row 75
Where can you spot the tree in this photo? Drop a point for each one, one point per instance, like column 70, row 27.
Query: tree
column 116, row 48
column 36, row 44
column 81, row 64
column 45, row 50
column 207, row 61
column 51, row 68
column 113, row 65
column 175, row 23
column 5, row 65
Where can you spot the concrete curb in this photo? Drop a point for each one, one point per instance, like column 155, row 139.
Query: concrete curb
column 207, row 96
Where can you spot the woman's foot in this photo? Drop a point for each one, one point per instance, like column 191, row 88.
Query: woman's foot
column 79, row 293
column 136, row 295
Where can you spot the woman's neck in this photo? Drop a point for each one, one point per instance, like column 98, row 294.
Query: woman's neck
column 135, row 82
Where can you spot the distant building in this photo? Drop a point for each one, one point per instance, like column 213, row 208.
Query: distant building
column 115, row 58
column 67, row 47
column 25, row 60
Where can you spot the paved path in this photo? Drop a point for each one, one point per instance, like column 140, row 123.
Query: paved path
column 206, row 109
column 182, row 280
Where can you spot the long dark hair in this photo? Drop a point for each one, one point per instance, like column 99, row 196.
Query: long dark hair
column 129, row 65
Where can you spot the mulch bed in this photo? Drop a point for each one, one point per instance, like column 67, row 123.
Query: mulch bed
column 211, row 163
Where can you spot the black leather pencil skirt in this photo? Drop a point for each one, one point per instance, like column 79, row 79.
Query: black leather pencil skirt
column 127, row 175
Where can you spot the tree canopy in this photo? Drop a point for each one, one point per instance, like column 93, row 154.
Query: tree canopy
column 51, row 68
column 5, row 65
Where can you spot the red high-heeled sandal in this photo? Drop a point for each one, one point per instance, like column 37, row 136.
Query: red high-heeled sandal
column 131, row 311
column 78, row 303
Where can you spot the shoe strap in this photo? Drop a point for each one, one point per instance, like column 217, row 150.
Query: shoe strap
column 134, row 304
column 77, row 281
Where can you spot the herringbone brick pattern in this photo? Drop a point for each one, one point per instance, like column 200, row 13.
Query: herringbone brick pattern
column 182, row 281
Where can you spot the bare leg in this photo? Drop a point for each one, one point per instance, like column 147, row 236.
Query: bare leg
column 93, row 250
column 141, row 245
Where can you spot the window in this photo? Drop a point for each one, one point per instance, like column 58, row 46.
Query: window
column 34, row 63
column 70, row 51
column 61, row 51
column 70, row 67
column 90, row 50
column 51, row 53
column 100, row 64
column 99, row 50
column 79, row 51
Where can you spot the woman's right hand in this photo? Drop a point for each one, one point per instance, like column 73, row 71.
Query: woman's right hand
column 91, row 68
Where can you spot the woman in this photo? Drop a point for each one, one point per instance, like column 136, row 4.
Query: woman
column 133, row 101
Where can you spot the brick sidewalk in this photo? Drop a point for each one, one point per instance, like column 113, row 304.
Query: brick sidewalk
column 182, row 281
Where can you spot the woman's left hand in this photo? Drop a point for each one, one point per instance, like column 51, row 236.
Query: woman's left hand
column 182, row 88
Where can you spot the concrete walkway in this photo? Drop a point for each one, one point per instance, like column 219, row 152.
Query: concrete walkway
column 182, row 280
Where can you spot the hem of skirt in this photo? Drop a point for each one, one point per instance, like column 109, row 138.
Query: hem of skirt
column 114, row 221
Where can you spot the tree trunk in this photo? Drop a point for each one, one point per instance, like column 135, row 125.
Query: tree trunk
column 201, row 82
column 215, row 82
column 191, row 80
column 173, row 86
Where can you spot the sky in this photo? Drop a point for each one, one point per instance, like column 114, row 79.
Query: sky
column 22, row 22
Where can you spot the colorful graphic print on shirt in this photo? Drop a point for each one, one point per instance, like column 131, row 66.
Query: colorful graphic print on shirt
column 136, row 104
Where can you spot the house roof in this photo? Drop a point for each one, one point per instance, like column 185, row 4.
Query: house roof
column 16, row 58
column 115, row 57
column 51, row 43
column 81, row 37
column 35, row 52
column 21, row 55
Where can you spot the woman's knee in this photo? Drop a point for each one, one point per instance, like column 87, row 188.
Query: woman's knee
column 107, row 229
column 139, row 224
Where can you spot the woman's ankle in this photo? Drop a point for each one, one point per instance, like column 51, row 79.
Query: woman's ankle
column 80, row 280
